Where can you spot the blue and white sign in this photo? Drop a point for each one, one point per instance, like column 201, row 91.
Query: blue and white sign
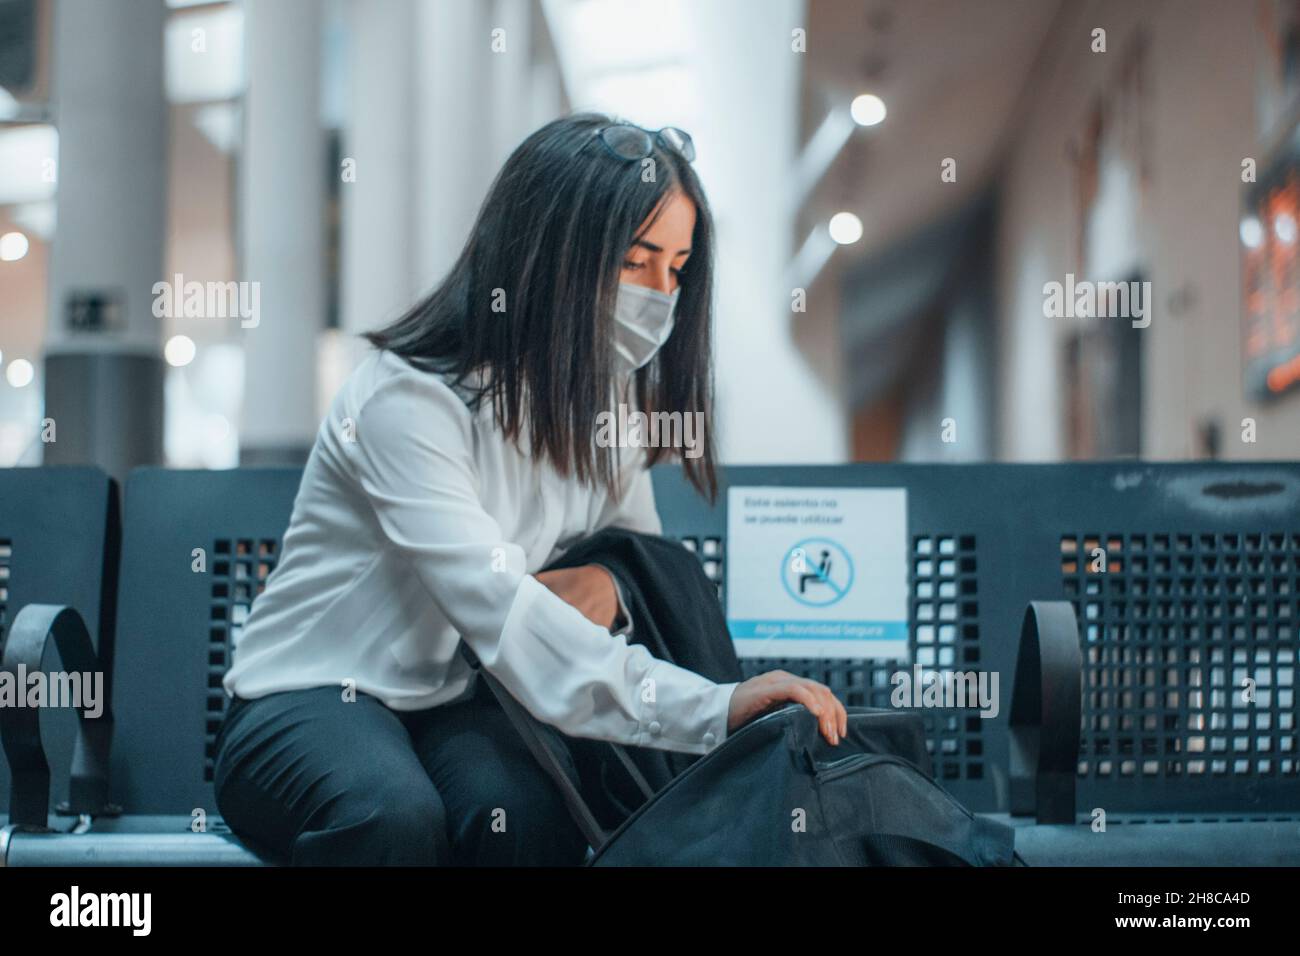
column 817, row 572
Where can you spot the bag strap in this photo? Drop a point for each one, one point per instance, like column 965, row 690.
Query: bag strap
column 633, row 770
column 528, row 728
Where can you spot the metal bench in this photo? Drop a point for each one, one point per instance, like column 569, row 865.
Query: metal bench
column 197, row 548
column 1185, row 579
column 1195, row 591
column 59, row 538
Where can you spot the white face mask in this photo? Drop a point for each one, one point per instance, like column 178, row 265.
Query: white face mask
column 643, row 320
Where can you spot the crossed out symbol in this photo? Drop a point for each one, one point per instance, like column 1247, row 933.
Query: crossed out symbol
column 809, row 571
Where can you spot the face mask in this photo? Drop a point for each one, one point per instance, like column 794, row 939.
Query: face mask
column 643, row 320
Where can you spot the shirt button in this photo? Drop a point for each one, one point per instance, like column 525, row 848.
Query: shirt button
column 710, row 739
column 655, row 727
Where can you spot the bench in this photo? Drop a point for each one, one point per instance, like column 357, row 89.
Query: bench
column 1196, row 591
column 59, row 531
column 1198, row 588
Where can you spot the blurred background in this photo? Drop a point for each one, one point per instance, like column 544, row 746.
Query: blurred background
column 895, row 183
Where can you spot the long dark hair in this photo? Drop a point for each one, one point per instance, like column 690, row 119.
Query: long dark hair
column 549, row 242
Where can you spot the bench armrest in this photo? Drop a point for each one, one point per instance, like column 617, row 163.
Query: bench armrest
column 1046, row 714
column 20, row 728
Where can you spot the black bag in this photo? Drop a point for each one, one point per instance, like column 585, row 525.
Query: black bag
column 775, row 793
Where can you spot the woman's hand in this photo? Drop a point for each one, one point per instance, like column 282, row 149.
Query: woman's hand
column 587, row 587
column 761, row 693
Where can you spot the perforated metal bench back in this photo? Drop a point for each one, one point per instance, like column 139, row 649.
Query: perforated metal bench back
column 1202, row 568
column 58, row 531
column 1185, row 580
column 177, row 622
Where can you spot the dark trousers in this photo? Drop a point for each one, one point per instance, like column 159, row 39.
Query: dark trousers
column 316, row 780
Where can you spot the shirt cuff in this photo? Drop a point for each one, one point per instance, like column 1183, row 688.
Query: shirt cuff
column 700, row 710
column 717, row 731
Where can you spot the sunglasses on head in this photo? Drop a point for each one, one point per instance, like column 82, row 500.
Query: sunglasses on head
column 631, row 142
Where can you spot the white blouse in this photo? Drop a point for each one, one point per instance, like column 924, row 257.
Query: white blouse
column 418, row 524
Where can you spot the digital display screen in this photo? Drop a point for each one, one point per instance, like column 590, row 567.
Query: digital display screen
column 1271, row 278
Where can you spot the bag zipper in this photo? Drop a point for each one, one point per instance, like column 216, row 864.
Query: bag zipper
column 846, row 765
column 825, row 772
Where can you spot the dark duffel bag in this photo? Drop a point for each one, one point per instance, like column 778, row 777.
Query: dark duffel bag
column 775, row 793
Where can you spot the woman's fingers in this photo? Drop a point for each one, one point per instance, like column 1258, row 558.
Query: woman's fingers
column 832, row 718
column 836, row 715
column 823, row 704
column 802, row 694
column 830, row 714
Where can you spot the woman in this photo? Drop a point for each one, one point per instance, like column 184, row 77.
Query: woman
column 456, row 460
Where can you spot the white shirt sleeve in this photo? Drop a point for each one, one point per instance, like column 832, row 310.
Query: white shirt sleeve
column 413, row 461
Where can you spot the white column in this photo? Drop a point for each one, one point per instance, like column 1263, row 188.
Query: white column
column 546, row 100
column 454, row 129
column 281, row 206
column 103, row 370
column 378, row 215
column 511, row 109
column 773, row 405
